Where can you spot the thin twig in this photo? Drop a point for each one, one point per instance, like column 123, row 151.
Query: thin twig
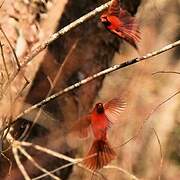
column 21, row 91
column 101, row 73
column 3, row 122
column 147, row 118
column 131, row 176
column 48, row 151
column 76, row 161
column 17, row 62
column 53, row 84
column 9, row 119
column 12, row 49
column 9, row 161
column 161, row 154
column 159, row 105
column 55, row 170
column 36, row 164
column 19, row 164
column 15, row 57
column 166, row 72
column 2, row 4
column 60, row 156
column 4, row 61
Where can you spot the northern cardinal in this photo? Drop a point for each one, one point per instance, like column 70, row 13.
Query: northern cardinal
column 100, row 120
column 117, row 20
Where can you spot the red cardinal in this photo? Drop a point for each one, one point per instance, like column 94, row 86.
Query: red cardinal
column 100, row 120
column 120, row 22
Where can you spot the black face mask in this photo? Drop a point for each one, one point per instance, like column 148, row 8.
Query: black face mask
column 99, row 108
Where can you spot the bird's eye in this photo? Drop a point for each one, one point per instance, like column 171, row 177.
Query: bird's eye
column 106, row 23
column 100, row 108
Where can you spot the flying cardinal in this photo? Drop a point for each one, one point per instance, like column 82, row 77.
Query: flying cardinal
column 99, row 120
column 117, row 20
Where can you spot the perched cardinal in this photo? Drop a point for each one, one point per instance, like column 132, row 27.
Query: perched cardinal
column 100, row 120
column 117, row 20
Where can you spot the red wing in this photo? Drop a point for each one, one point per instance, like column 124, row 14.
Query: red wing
column 129, row 28
column 99, row 155
column 113, row 108
column 80, row 128
column 114, row 9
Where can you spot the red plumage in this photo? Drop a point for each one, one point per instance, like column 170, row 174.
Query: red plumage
column 100, row 120
column 117, row 20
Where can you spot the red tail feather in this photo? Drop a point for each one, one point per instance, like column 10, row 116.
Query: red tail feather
column 100, row 154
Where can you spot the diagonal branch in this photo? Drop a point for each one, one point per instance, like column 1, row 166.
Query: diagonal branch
column 4, row 61
column 36, row 164
column 2, row 3
column 53, row 84
column 131, row 176
column 60, row 156
column 161, row 154
column 147, row 118
column 166, row 72
column 101, row 73
column 19, row 164
column 48, row 151
column 13, row 51
column 95, row 76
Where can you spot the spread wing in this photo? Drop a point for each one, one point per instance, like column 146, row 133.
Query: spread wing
column 129, row 28
column 113, row 109
column 81, row 127
column 130, row 24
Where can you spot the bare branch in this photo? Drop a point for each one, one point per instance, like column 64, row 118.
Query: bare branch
column 161, row 153
column 101, row 73
column 19, row 164
column 70, row 164
column 36, row 164
column 159, row 105
column 21, row 90
column 166, row 72
column 144, row 121
column 4, row 61
column 55, row 170
column 53, row 84
column 48, row 151
column 2, row 3
column 15, row 57
column 131, row 176
column 9, row 161
column 13, row 51
column 60, row 156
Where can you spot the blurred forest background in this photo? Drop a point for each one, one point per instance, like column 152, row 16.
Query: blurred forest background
column 88, row 49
